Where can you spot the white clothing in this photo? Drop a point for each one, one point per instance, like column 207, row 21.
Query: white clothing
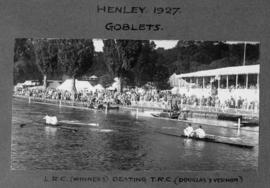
column 51, row 120
column 200, row 133
column 188, row 131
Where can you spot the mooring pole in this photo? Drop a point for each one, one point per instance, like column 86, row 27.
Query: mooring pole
column 106, row 108
column 238, row 126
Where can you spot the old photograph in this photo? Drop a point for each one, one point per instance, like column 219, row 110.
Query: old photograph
column 136, row 105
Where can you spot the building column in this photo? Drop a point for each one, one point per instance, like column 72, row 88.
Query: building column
column 227, row 83
column 247, row 81
column 203, row 83
column 236, row 81
column 219, row 82
column 258, row 81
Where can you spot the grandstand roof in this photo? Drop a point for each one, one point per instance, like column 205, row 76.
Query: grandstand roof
column 248, row 69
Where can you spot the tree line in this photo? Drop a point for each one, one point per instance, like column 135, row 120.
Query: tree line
column 134, row 62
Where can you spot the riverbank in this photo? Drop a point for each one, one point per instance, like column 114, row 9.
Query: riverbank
column 143, row 112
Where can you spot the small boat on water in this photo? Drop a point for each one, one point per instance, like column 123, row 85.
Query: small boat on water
column 61, row 126
column 77, row 123
column 102, row 107
column 232, row 141
column 250, row 123
column 113, row 108
column 166, row 115
column 229, row 117
column 172, row 115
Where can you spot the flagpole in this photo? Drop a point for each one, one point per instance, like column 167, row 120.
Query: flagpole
column 244, row 59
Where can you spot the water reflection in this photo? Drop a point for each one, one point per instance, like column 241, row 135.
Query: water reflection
column 50, row 131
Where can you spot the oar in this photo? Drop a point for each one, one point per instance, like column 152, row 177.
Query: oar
column 59, row 126
column 24, row 124
column 33, row 121
column 66, row 128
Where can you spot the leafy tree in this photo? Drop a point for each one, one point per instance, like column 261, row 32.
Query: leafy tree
column 106, row 80
column 99, row 67
column 24, row 61
column 143, row 70
column 75, row 57
column 160, row 77
column 46, row 51
column 121, row 56
column 23, row 49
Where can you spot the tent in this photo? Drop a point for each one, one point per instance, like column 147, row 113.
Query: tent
column 80, row 85
column 98, row 87
column 54, row 84
column 18, row 86
column 111, row 88
column 175, row 90
column 36, row 87
column 28, row 83
column 115, row 84
column 93, row 77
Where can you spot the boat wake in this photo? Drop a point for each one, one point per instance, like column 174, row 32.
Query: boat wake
column 76, row 122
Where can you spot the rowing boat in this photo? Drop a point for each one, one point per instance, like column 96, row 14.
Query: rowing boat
column 78, row 123
column 229, row 117
column 250, row 123
column 232, row 141
column 166, row 115
column 61, row 126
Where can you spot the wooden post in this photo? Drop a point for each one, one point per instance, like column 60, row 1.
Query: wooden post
column 106, row 108
column 137, row 113
column 238, row 126
column 29, row 100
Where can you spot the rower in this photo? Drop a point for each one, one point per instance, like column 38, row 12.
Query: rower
column 51, row 120
column 200, row 133
column 188, row 132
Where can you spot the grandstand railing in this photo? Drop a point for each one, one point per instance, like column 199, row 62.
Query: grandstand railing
column 209, row 109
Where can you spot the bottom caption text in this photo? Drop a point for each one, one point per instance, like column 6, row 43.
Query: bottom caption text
column 143, row 179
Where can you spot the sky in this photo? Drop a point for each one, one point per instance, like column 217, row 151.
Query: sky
column 167, row 44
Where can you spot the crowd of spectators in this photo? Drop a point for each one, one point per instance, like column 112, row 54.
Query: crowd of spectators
column 135, row 96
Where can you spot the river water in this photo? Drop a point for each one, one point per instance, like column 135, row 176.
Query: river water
column 118, row 140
